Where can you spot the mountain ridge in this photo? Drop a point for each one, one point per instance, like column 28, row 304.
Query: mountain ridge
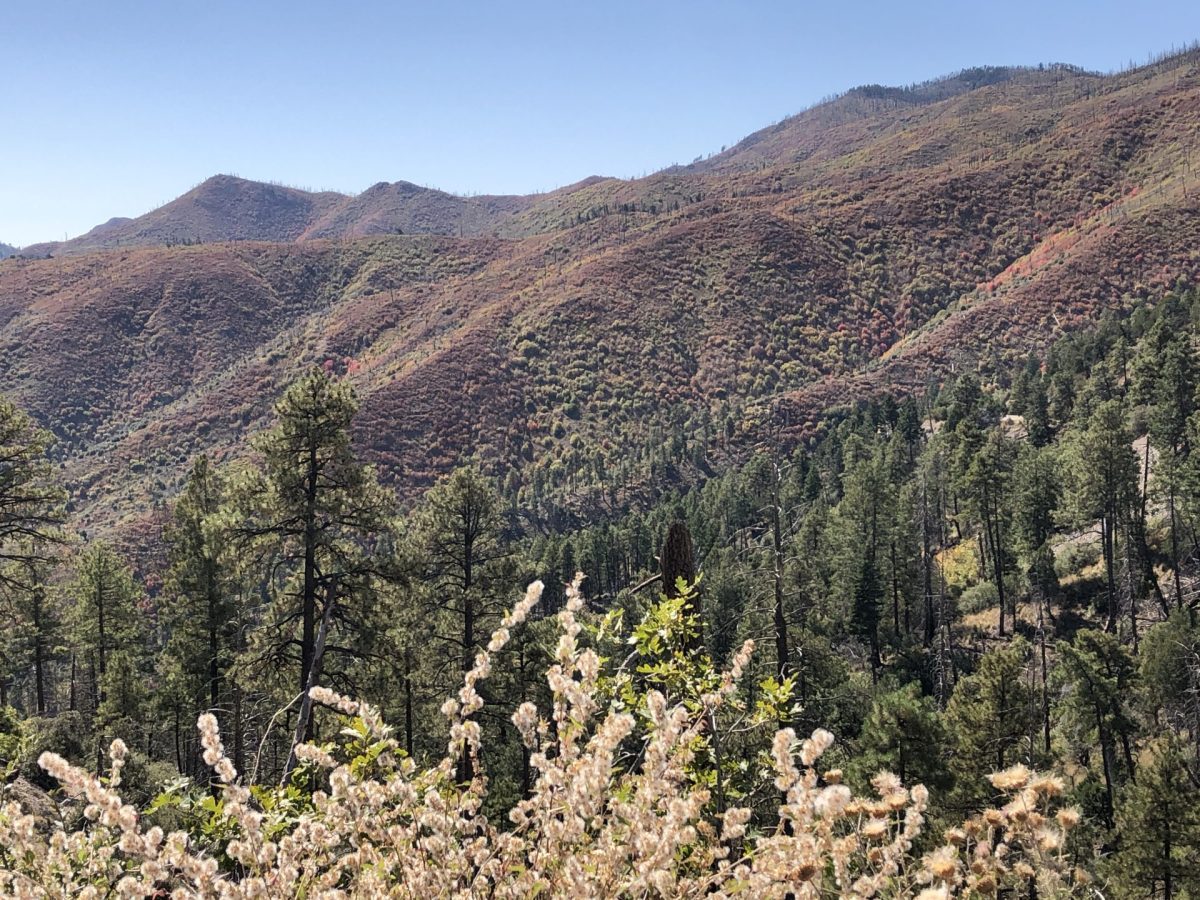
column 264, row 211
column 731, row 306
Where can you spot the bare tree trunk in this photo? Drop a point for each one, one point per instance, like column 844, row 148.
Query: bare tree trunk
column 304, row 727
column 39, row 652
column 678, row 562
column 408, row 702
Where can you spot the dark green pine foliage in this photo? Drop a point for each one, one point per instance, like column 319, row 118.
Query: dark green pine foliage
column 32, row 512
column 110, row 644
column 204, row 614
column 1101, row 471
column 904, row 733
column 310, row 521
column 1097, row 678
column 991, row 719
column 1158, row 827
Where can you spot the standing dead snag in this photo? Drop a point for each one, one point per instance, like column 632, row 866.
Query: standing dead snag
column 304, row 726
column 678, row 561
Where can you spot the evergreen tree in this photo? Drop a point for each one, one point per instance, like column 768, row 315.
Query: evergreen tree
column 865, row 517
column 903, row 733
column 1169, row 670
column 32, row 506
column 464, row 565
column 31, row 640
column 1158, row 820
column 990, row 718
column 32, row 511
column 204, row 614
column 1098, row 680
column 1101, row 477
column 109, row 640
column 1173, row 403
column 985, row 486
column 202, row 610
column 308, row 522
column 459, row 540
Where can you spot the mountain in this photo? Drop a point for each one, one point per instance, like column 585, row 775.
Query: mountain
column 874, row 242
column 225, row 208
column 6, row 250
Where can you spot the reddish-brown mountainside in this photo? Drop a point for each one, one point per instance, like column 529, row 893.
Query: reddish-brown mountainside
column 881, row 239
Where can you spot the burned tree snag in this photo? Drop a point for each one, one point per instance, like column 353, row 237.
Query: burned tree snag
column 678, row 561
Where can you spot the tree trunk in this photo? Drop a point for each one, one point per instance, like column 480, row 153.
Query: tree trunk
column 408, row 702
column 238, row 750
column 1045, row 687
column 677, row 561
column 1175, row 549
column 895, row 589
column 214, row 664
column 304, row 720
column 782, row 657
column 927, row 567
column 1106, row 542
column 39, row 653
column 1167, row 873
column 101, row 641
column 309, row 600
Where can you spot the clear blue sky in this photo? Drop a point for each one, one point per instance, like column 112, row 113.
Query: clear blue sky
column 112, row 107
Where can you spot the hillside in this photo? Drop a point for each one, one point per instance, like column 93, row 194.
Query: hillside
column 881, row 239
column 223, row 208
column 226, row 208
column 6, row 250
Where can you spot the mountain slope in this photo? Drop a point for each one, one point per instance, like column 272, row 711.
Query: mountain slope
column 223, row 208
column 226, row 208
column 716, row 303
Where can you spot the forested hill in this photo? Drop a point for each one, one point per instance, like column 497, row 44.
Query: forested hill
column 980, row 602
column 854, row 474
column 883, row 236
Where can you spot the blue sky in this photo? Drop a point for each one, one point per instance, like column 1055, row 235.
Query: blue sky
column 112, row 107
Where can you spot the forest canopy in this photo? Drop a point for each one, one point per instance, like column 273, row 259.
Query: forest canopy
column 974, row 605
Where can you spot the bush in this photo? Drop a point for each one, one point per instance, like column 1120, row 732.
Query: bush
column 62, row 734
column 978, row 597
column 622, row 805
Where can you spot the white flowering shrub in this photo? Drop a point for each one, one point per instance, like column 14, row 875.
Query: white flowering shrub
column 599, row 821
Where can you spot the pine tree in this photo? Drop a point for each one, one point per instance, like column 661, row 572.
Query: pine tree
column 1168, row 384
column 1169, row 669
column 459, row 539
column 202, row 609
column 32, row 507
column 109, row 639
column 1158, row 820
column 1097, row 678
column 990, row 718
column 464, row 564
column 1101, row 477
column 309, row 521
column 32, row 639
column 32, row 511
column 204, row 613
column 903, row 733
column 863, row 523
column 985, row 485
